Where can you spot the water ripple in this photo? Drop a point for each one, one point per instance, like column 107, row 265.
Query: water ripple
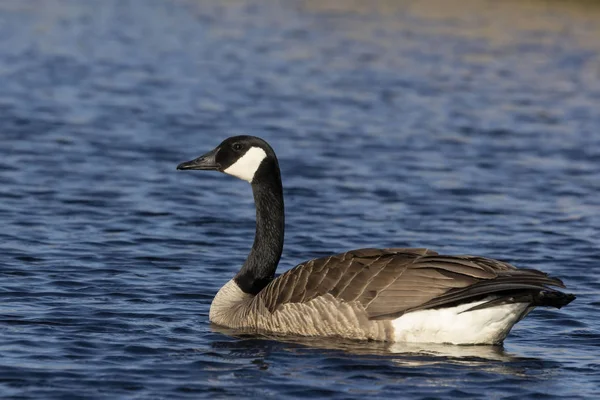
column 420, row 124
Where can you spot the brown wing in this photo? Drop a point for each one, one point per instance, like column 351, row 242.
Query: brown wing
column 390, row 282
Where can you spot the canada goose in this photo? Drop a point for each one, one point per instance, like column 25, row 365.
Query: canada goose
column 395, row 294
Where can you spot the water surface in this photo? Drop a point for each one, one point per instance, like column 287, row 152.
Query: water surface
column 467, row 127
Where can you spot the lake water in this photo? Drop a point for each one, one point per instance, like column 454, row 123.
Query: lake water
column 463, row 126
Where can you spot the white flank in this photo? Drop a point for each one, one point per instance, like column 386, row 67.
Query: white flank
column 245, row 167
column 449, row 325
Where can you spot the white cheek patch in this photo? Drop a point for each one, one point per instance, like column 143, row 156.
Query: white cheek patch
column 245, row 167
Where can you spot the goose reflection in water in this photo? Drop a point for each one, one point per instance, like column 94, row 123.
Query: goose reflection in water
column 260, row 347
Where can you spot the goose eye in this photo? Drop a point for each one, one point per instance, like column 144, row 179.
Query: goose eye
column 237, row 146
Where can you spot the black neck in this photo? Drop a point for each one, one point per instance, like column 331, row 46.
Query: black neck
column 259, row 268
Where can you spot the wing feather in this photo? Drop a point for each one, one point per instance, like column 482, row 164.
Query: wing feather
column 390, row 282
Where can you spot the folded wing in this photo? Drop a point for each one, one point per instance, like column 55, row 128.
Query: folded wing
column 390, row 282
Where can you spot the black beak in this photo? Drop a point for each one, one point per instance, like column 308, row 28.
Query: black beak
column 205, row 162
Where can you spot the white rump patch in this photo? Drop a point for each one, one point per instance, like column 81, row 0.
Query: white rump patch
column 453, row 325
column 245, row 167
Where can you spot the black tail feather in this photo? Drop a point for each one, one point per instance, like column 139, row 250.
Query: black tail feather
column 541, row 298
column 552, row 298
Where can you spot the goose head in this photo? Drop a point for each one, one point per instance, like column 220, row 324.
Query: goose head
column 246, row 157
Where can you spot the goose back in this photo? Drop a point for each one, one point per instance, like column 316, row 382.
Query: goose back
column 390, row 282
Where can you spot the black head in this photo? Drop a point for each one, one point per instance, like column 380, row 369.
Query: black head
column 245, row 157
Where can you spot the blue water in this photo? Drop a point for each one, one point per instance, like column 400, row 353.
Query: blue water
column 466, row 127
